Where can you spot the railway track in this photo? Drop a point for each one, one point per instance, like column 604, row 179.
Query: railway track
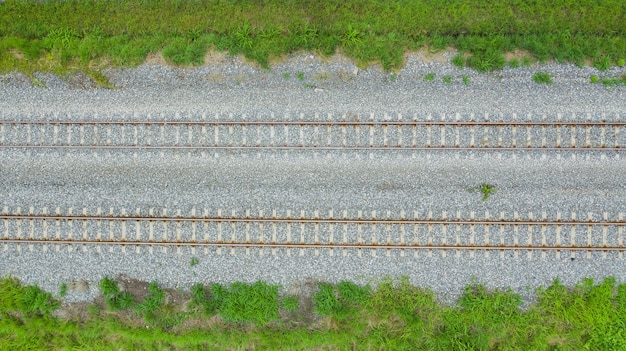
column 319, row 135
column 330, row 234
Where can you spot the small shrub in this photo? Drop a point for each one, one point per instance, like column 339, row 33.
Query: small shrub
column 542, row 78
column 594, row 79
column 429, row 77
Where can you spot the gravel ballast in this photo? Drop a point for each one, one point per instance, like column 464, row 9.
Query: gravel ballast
column 537, row 182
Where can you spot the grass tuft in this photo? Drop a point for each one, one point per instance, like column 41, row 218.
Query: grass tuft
column 542, row 78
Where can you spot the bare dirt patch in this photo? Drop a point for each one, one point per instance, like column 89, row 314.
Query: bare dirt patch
column 137, row 288
column 516, row 55
column 156, row 58
column 17, row 54
column 428, row 55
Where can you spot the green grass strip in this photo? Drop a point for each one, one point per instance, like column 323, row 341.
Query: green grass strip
column 394, row 315
column 88, row 35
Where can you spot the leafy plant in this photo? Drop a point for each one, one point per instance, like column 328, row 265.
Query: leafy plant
column 429, row 77
column 487, row 190
column 542, row 78
column 594, row 79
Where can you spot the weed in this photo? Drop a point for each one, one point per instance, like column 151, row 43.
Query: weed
column 113, row 297
column 602, row 63
column 447, row 79
column 290, row 303
column 487, row 190
column 459, row 60
column 194, row 261
column 393, row 77
column 300, row 75
column 429, row 77
column 526, row 61
column 542, row 78
column 621, row 62
column 256, row 303
column 63, row 290
column 465, row 80
column 610, row 82
column 309, row 86
column 322, row 76
column 152, row 301
column 594, row 79
column 286, row 75
column 326, row 303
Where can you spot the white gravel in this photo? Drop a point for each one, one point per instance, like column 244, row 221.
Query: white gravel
column 535, row 182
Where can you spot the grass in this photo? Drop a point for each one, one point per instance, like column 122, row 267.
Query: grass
column 465, row 80
column 542, row 78
column 447, row 79
column 392, row 315
column 64, row 37
column 429, row 77
column 63, row 290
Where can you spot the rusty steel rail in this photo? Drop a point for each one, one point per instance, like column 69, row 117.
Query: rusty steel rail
column 314, row 246
column 329, row 123
column 308, row 220
column 51, row 224
column 411, row 135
